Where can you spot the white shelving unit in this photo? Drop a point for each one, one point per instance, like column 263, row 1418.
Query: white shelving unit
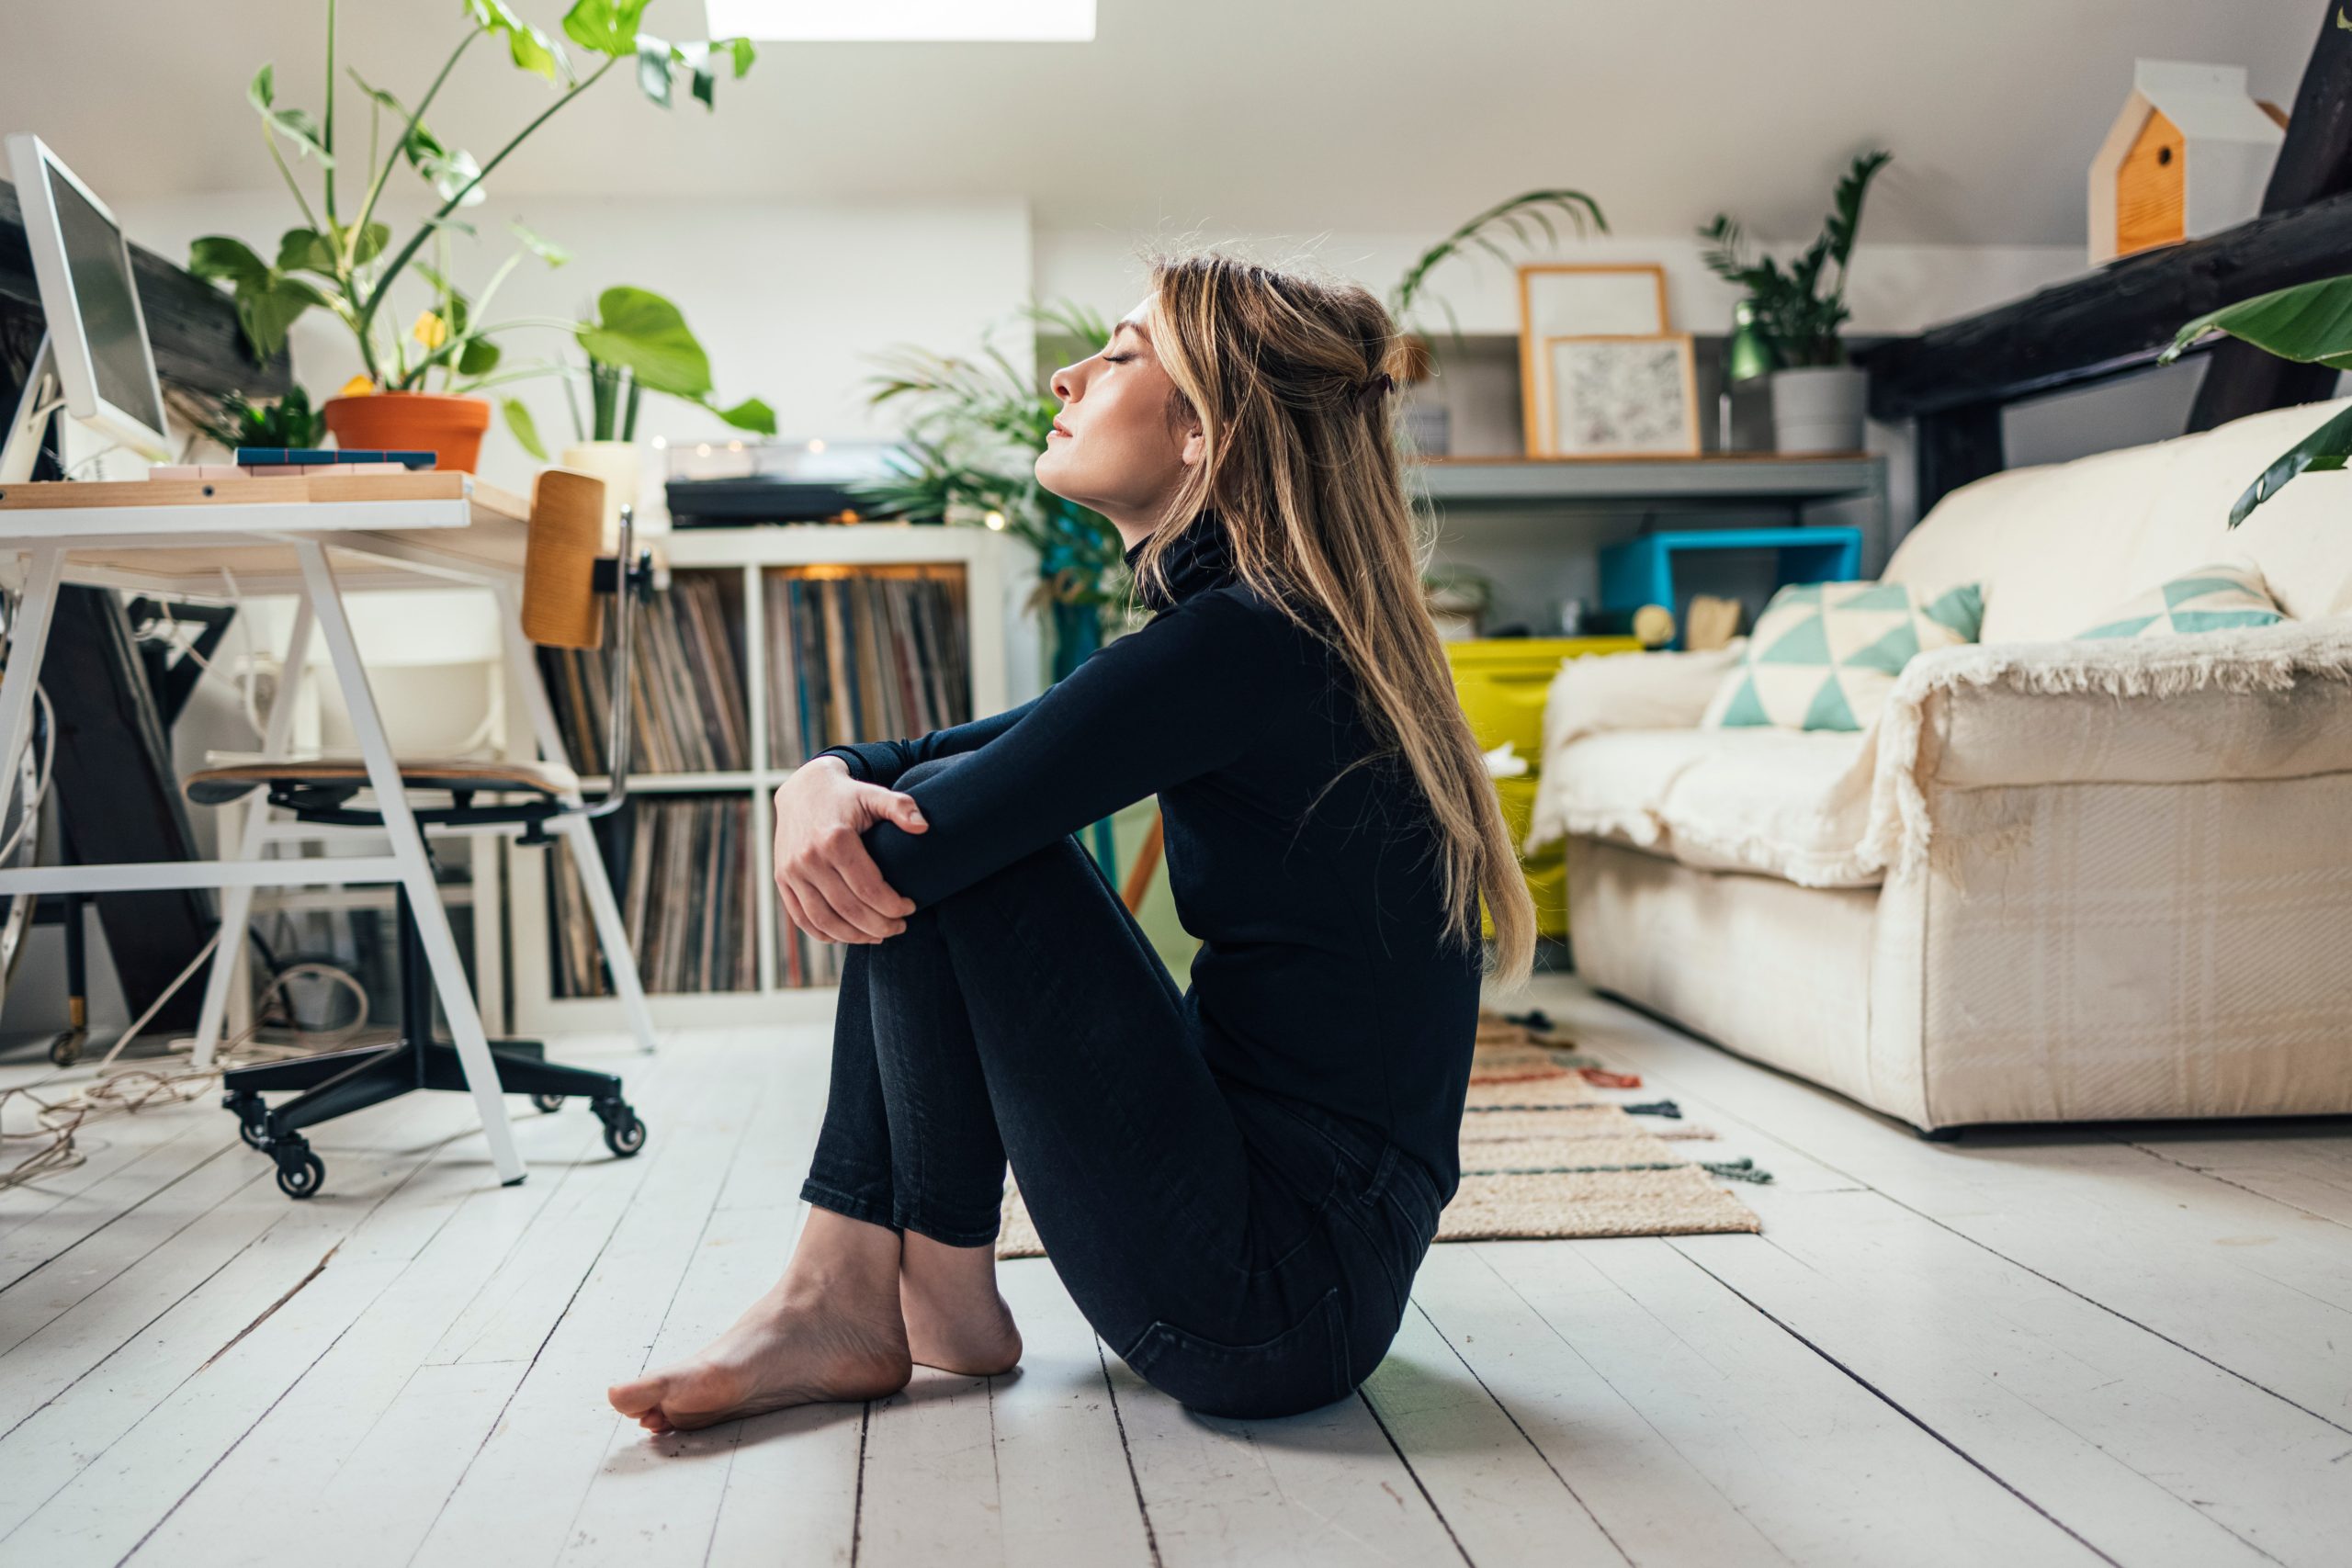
column 1005, row 655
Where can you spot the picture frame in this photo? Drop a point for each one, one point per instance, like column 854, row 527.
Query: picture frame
column 1620, row 395
column 1578, row 299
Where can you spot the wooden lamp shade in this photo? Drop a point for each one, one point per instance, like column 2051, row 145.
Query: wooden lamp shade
column 561, row 609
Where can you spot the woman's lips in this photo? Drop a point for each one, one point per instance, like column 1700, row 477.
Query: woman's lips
column 1058, row 429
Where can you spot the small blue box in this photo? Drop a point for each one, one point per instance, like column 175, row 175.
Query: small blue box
column 1641, row 572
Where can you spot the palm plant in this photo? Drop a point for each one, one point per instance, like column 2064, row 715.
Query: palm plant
column 974, row 429
column 2311, row 323
column 1798, row 322
column 1514, row 216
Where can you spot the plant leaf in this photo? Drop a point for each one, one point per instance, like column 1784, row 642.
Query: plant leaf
column 419, row 146
column 230, row 261
column 749, row 415
column 741, row 51
column 305, row 250
column 545, row 250
column 268, row 307
column 478, row 357
column 453, row 172
column 2324, row 449
column 607, row 27
column 529, row 48
column 2311, row 322
column 653, row 68
column 640, row 331
column 525, row 428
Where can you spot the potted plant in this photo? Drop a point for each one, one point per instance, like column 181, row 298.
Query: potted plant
column 637, row 343
column 347, row 265
column 1430, row 426
column 1817, row 397
column 2311, row 323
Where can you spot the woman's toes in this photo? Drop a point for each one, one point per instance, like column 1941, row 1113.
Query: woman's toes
column 636, row 1396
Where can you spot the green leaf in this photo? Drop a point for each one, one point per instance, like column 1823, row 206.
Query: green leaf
column 530, row 48
column 269, row 307
column 653, row 68
column 2311, row 322
column 607, row 27
column 706, row 80
column 642, row 331
column 230, row 261
column 420, row 146
column 749, row 415
column 741, row 51
column 545, row 250
column 453, row 172
column 478, row 357
column 526, row 429
column 2324, row 449
column 262, row 91
column 305, row 250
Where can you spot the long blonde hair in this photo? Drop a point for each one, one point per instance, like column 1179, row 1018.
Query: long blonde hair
column 1301, row 465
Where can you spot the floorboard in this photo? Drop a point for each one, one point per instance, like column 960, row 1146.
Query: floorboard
column 2119, row 1345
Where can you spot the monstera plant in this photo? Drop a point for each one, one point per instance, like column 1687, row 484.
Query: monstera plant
column 343, row 260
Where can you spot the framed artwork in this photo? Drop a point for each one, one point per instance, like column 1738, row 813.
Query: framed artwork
column 1622, row 395
column 1558, row 300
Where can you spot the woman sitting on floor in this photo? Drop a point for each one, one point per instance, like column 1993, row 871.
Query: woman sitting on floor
column 1235, row 1182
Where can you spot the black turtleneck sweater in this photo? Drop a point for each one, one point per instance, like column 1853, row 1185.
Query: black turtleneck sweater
column 1322, row 973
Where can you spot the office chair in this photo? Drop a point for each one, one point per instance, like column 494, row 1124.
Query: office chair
column 562, row 580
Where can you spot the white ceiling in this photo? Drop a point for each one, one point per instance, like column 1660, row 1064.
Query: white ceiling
column 1237, row 116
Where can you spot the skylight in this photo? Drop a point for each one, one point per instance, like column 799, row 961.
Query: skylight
column 904, row 21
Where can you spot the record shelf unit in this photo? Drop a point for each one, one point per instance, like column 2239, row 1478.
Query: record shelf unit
column 987, row 577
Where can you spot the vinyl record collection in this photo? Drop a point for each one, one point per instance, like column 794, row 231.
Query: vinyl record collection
column 875, row 654
column 681, row 869
column 686, row 699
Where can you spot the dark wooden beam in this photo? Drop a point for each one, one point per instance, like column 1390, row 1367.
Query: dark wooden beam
column 2315, row 163
column 1952, row 446
column 191, row 324
column 2114, row 319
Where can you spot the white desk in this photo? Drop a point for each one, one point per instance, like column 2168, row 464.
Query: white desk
column 312, row 537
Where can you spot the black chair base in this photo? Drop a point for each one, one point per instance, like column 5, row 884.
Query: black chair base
column 336, row 1083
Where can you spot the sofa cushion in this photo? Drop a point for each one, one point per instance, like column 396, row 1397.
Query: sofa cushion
column 2223, row 596
column 1824, row 655
column 1793, row 803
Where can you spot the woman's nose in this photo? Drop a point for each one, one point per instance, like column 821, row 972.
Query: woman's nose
column 1065, row 383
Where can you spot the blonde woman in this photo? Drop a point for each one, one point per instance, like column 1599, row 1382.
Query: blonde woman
column 1236, row 1181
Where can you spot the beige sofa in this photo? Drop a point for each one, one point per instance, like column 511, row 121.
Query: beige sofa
column 2055, row 880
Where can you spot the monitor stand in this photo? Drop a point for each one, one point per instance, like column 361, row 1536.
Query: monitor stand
column 44, row 394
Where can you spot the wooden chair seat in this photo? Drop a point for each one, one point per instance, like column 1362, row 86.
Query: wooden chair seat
column 219, row 786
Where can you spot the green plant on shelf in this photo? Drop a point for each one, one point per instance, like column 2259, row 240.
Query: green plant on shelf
column 347, row 264
column 2311, row 323
column 1484, row 232
column 637, row 343
column 1799, row 312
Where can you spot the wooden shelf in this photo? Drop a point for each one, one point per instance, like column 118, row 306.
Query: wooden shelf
column 1718, row 477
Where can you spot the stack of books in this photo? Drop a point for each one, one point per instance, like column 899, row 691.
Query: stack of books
column 276, row 462
column 686, row 711
column 863, row 656
column 682, row 869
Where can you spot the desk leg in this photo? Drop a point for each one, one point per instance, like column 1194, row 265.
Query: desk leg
column 27, row 641
column 237, row 903
column 612, row 936
column 408, row 849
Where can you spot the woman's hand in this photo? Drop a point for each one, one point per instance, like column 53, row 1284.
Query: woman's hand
column 831, row 886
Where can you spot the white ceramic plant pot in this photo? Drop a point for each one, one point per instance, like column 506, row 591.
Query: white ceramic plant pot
column 620, row 465
column 1818, row 409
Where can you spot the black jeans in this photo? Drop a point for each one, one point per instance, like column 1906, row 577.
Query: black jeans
column 1247, row 1254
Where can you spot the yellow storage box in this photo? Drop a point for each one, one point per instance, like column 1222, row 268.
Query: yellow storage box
column 1502, row 682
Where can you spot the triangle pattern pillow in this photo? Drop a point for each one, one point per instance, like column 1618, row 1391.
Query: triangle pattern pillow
column 1824, row 655
column 2212, row 598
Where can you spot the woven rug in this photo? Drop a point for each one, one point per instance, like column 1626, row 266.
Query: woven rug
column 1544, row 1156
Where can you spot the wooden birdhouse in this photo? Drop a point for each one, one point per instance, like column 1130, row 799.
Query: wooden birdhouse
column 2188, row 155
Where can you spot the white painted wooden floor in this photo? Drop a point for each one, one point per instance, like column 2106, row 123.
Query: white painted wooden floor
column 2130, row 1345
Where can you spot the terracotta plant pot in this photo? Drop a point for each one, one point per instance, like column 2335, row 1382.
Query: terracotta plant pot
column 451, row 428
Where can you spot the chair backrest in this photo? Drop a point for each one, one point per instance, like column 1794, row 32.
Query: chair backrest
column 560, row 605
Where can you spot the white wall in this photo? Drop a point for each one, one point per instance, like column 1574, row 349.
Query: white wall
column 791, row 299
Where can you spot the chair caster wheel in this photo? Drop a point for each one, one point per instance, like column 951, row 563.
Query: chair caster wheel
column 252, row 1118
column 66, row 1049
column 299, row 1172
column 623, row 1131
column 548, row 1102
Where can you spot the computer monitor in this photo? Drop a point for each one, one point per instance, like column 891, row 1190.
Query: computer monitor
column 95, row 360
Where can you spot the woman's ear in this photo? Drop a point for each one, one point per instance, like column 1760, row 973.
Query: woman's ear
column 1196, row 444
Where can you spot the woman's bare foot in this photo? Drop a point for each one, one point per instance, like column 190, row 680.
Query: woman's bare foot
column 781, row 1352
column 956, row 1320
column 828, row 1330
